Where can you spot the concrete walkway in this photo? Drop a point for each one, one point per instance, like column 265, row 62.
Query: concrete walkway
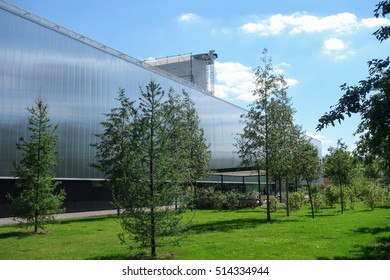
column 8, row 221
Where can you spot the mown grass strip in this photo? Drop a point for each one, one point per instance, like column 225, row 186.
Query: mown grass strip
column 244, row 234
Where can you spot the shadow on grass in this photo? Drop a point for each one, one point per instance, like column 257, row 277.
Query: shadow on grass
column 22, row 234
column 374, row 231
column 136, row 256
column 380, row 250
column 229, row 225
column 13, row 234
column 85, row 219
column 383, row 206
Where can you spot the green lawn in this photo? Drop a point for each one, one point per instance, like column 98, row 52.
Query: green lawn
column 244, row 234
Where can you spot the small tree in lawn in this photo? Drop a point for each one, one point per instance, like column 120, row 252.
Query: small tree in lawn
column 145, row 153
column 253, row 143
column 118, row 147
column 338, row 166
column 188, row 146
column 308, row 164
column 37, row 201
column 281, row 141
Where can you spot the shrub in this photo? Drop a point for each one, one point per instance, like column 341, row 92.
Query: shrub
column 218, row 200
column 332, row 195
column 281, row 205
column 232, row 200
column 203, row 198
column 351, row 195
column 318, row 201
column 317, row 197
column 250, row 200
column 273, row 202
column 373, row 195
column 295, row 200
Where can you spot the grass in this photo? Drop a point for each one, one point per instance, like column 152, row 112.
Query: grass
column 244, row 234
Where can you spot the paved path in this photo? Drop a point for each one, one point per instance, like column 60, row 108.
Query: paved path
column 7, row 221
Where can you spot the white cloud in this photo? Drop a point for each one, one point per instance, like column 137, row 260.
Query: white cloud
column 334, row 44
column 292, row 82
column 336, row 49
column 374, row 22
column 234, row 81
column 187, row 18
column 301, row 22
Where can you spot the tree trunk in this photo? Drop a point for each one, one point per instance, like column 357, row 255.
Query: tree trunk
column 152, row 233
column 342, row 199
column 310, row 198
column 267, row 187
column 287, row 204
column 280, row 188
column 36, row 222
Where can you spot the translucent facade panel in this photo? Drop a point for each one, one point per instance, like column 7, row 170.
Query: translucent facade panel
column 80, row 83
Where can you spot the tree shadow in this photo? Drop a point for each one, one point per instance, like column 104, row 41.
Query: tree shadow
column 135, row 256
column 377, row 230
column 229, row 225
column 84, row 219
column 21, row 234
column 379, row 250
column 12, row 234
column 383, row 206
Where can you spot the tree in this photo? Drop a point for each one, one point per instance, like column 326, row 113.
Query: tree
column 254, row 142
column 338, row 165
column 371, row 100
column 117, row 151
column 281, row 141
column 38, row 200
column 151, row 160
column 189, row 147
column 307, row 163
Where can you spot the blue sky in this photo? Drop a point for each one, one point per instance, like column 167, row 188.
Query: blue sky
column 317, row 46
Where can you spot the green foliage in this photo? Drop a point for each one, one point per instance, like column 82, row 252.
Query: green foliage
column 232, row 200
column 339, row 167
column 150, row 154
column 318, row 201
column 268, row 136
column 373, row 195
column 218, row 199
column 307, row 164
column 203, row 198
column 250, row 200
column 117, row 151
column 332, row 195
column 317, row 198
column 208, row 198
column 273, row 203
column 38, row 200
column 296, row 200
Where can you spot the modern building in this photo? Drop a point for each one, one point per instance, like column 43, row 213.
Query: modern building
column 79, row 78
